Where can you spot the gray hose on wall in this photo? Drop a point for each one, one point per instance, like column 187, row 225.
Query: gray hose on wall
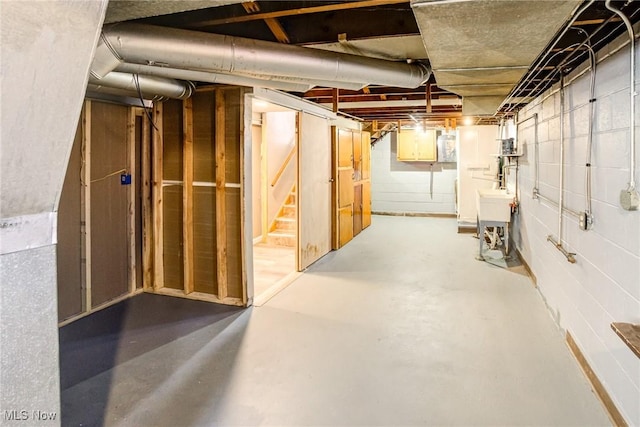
column 198, row 51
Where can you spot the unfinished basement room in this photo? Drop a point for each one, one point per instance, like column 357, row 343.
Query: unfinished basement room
column 319, row 213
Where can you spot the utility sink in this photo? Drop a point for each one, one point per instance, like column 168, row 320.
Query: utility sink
column 494, row 205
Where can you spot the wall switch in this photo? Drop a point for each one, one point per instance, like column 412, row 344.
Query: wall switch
column 125, row 179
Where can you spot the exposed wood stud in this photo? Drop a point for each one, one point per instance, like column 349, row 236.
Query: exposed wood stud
column 366, row 90
column 131, row 198
column 428, row 96
column 245, row 217
column 221, row 214
column 158, row 253
column 187, row 194
column 335, row 99
column 85, row 203
column 147, row 222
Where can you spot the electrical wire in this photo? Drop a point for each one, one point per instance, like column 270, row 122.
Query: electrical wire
column 109, row 175
column 522, row 86
column 136, row 80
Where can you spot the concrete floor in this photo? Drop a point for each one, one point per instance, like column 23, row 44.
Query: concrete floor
column 400, row 327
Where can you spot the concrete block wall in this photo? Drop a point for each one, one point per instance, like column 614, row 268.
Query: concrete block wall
column 404, row 187
column 603, row 286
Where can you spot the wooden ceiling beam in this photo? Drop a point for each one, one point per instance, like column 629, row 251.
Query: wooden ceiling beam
column 295, row 12
column 252, row 7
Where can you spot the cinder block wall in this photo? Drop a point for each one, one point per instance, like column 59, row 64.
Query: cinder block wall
column 603, row 286
column 404, row 187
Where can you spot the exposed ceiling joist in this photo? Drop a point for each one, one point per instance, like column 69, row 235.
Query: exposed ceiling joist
column 299, row 11
column 274, row 25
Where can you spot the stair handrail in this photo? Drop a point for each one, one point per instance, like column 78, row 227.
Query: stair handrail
column 276, row 178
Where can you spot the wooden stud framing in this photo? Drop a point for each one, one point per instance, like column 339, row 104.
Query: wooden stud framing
column 85, row 204
column 221, row 214
column 187, row 194
column 131, row 198
column 158, row 268
column 335, row 99
column 147, row 222
column 243, row 195
column 264, row 181
column 428, row 96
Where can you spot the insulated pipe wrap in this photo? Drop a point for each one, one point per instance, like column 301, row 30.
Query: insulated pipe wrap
column 147, row 44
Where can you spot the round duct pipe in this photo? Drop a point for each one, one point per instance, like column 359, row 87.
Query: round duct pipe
column 209, row 77
column 147, row 85
column 176, row 48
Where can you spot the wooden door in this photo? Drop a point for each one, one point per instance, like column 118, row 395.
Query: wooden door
column 344, row 174
column 366, row 156
column 314, row 189
column 426, row 145
column 366, row 204
column 357, row 209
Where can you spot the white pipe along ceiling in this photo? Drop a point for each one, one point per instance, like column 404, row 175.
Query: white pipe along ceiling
column 175, row 49
column 481, row 49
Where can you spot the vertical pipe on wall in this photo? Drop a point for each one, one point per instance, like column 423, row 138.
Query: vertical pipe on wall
column 561, row 161
column 630, row 193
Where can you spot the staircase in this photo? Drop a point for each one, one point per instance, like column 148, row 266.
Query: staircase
column 283, row 229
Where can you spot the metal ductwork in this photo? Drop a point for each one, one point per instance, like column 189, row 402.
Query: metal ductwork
column 481, row 49
column 148, row 86
column 209, row 77
column 198, row 51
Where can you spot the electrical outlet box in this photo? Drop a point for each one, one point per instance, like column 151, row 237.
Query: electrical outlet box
column 629, row 199
column 125, row 179
column 585, row 221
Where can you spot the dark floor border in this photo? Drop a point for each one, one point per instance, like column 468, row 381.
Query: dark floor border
column 467, row 230
column 614, row 414
column 534, row 279
column 418, row 214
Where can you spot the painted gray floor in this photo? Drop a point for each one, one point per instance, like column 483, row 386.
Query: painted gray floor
column 401, row 327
